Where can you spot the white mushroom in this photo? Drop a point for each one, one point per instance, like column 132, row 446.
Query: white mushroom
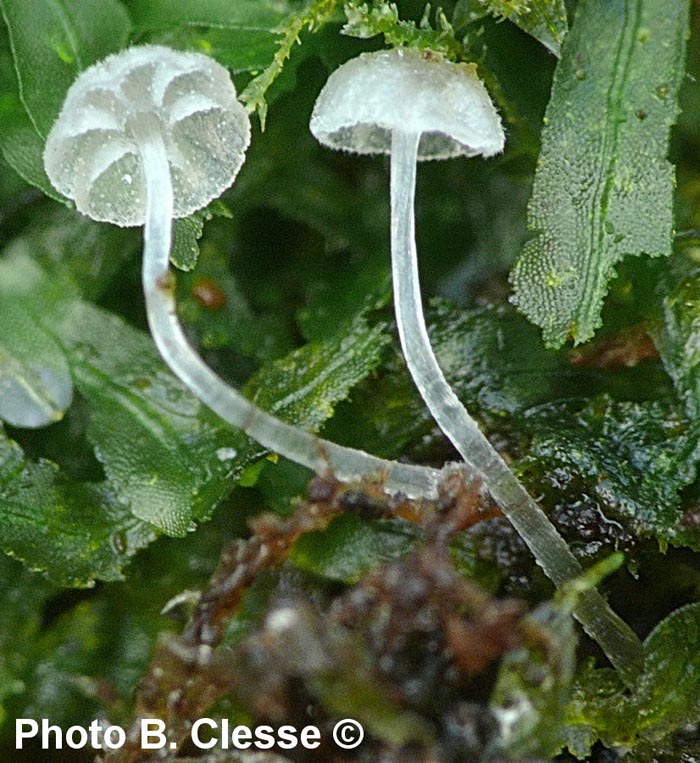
column 150, row 134
column 412, row 105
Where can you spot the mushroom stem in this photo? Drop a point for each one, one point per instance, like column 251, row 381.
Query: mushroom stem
column 296, row 444
column 615, row 637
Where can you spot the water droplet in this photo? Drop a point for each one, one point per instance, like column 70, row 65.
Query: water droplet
column 120, row 542
column 641, row 114
column 662, row 91
column 580, row 74
column 127, row 179
column 226, row 454
column 643, row 35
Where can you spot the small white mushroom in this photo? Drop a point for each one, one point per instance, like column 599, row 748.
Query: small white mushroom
column 412, row 105
column 150, row 134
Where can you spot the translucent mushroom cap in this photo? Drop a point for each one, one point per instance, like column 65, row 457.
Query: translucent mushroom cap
column 368, row 97
column 92, row 152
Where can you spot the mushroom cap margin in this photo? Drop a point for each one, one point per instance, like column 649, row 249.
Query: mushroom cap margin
column 369, row 96
column 92, row 155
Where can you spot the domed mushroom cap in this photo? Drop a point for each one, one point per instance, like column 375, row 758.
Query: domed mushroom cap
column 92, row 152
column 371, row 95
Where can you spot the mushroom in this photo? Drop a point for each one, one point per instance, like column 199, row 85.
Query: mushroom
column 415, row 105
column 150, row 134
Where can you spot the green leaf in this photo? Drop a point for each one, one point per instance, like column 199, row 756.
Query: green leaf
column 352, row 546
column 380, row 17
column 312, row 16
column 545, row 20
column 187, row 232
column 72, row 247
column 603, row 161
column 167, row 459
column 23, row 149
column 165, row 456
column 664, row 700
column 242, row 36
column 243, row 49
column 320, row 374
column 243, row 14
column 669, row 688
column 74, row 532
column 631, row 458
column 52, row 41
column 677, row 336
column 20, row 144
column 35, row 384
column 185, row 249
column 75, row 657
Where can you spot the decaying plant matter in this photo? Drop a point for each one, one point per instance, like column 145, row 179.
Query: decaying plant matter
column 406, row 646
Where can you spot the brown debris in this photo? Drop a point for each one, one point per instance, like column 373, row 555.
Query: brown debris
column 413, row 629
column 208, row 294
column 626, row 349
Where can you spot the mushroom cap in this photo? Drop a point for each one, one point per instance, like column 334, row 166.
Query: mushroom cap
column 92, row 152
column 368, row 97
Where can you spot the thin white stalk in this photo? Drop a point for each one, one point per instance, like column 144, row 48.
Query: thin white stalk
column 615, row 637
column 297, row 445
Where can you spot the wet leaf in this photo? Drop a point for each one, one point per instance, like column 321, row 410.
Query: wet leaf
column 20, row 144
column 52, row 42
column 632, row 458
column 168, row 460
column 74, row 532
column 35, row 383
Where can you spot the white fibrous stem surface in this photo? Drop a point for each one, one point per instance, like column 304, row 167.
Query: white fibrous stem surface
column 289, row 441
column 615, row 637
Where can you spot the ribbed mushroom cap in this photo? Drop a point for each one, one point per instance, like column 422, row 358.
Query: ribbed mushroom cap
column 91, row 153
column 371, row 95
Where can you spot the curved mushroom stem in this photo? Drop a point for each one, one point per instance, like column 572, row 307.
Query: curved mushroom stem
column 615, row 637
column 299, row 446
